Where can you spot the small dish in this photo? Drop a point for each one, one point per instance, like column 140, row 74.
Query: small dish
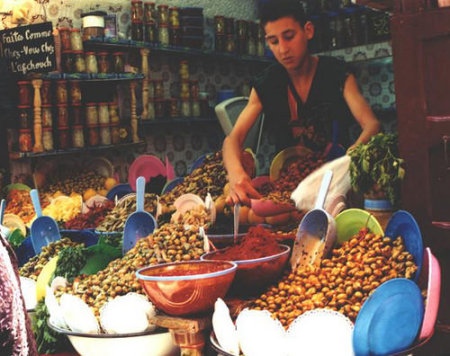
column 350, row 221
column 119, row 190
column 283, row 157
column 101, row 166
column 146, row 166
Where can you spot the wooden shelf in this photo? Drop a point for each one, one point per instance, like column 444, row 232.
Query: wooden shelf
column 382, row 5
column 22, row 155
column 179, row 120
column 85, row 77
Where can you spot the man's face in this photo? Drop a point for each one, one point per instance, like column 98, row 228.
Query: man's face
column 288, row 40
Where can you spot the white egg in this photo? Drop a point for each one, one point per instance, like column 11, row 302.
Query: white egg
column 259, row 334
column 224, row 328
column 28, row 287
column 127, row 314
column 55, row 311
column 78, row 316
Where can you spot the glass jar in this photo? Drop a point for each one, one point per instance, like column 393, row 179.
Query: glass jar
column 47, row 139
column 149, row 12
column 105, row 135
column 64, row 35
column 251, row 47
column 185, row 108
column 174, row 108
column 61, row 92
column 25, row 144
column 137, row 33
column 79, row 63
column 242, row 45
column 76, row 114
column 103, row 62
column 136, row 10
column 163, row 14
column 159, row 89
column 175, row 36
column 24, row 92
column 91, row 63
column 159, row 108
column 184, row 90
column 76, row 43
column 352, row 28
column 115, row 134
column 119, row 63
column 46, row 92
column 150, row 32
column 75, row 91
column 151, row 110
column 164, row 34
column 91, row 114
column 151, row 89
column 219, row 25
column 93, row 135
column 184, row 70
column 113, row 113
column 24, row 116
column 67, row 61
column 64, row 137
column 194, row 89
column 174, row 17
column 220, row 43
column 47, row 115
column 196, row 110
column 229, row 26
column 63, row 115
column 103, row 113
column 78, row 136
column 241, row 28
column 229, row 46
column 260, row 48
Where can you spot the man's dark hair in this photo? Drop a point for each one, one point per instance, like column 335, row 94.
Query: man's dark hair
column 271, row 10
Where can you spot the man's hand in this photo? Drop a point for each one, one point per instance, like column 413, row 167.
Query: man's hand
column 241, row 191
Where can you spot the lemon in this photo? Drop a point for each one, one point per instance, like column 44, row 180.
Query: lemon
column 89, row 193
column 44, row 277
column 109, row 183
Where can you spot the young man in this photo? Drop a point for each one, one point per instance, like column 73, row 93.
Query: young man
column 305, row 98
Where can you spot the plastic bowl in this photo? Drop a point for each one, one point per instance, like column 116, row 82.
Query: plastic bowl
column 185, row 288
column 253, row 275
column 350, row 221
column 158, row 343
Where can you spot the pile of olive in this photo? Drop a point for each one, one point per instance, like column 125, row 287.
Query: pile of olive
column 78, row 183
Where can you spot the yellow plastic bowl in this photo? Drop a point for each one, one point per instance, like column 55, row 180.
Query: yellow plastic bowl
column 350, row 221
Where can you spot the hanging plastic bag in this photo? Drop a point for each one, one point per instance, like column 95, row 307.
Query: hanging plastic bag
column 306, row 192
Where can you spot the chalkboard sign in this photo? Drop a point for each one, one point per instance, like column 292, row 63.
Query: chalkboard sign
column 29, row 48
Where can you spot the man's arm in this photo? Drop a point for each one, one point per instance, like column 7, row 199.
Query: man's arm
column 241, row 189
column 361, row 111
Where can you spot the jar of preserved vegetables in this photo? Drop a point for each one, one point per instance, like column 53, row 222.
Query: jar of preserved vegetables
column 229, row 26
column 91, row 63
column 67, row 61
column 103, row 62
column 184, row 89
column 75, row 91
column 164, row 34
column 219, row 43
column 159, row 108
column 103, row 114
column 61, row 92
column 174, row 17
column 115, row 134
column 185, row 108
column 47, row 116
column 175, row 36
column 194, row 89
column 150, row 32
column 79, row 62
column 91, row 114
column 78, row 136
column 93, row 135
column 113, row 113
column 46, row 92
column 184, row 70
column 47, row 138
column 229, row 46
column 196, row 110
column 163, row 14
column 63, row 115
column 24, row 92
column 105, row 135
column 24, row 116
column 64, row 137
column 76, row 42
column 159, row 88
column 151, row 110
column 64, row 35
column 137, row 11
column 149, row 12
column 76, row 114
column 137, row 33
column 25, row 144
column 119, row 63
column 174, row 108
column 219, row 25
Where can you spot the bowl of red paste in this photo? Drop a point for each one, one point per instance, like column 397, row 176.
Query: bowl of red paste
column 260, row 261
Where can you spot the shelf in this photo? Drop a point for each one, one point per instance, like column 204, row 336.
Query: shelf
column 85, row 77
column 179, row 120
column 129, row 44
column 382, row 5
column 21, row 155
column 362, row 53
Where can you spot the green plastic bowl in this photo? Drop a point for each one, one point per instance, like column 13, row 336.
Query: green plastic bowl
column 350, row 221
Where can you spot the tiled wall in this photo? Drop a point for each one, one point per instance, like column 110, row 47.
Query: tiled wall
column 184, row 143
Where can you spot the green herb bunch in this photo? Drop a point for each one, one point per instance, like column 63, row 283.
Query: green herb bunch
column 70, row 261
column 376, row 168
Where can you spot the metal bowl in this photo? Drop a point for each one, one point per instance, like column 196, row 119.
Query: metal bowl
column 156, row 343
column 253, row 275
column 185, row 288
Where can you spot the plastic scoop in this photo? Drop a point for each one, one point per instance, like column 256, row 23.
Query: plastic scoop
column 44, row 229
column 265, row 207
column 317, row 231
column 140, row 223
column 3, row 229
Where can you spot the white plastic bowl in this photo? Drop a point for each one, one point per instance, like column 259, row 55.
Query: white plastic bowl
column 154, row 343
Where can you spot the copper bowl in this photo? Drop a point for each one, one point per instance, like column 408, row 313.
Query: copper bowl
column 253, row 275
column 185, row 288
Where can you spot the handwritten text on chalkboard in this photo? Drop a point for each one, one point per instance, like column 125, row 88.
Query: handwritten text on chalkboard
column 29, row 48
